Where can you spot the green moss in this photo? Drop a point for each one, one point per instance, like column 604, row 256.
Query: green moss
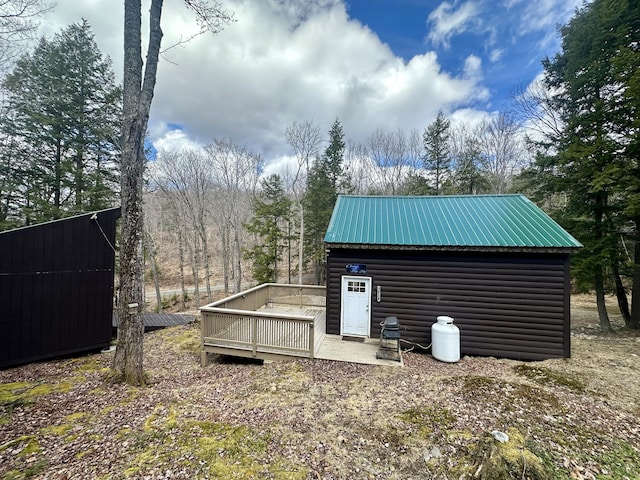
column 64, row 428
column 88, row 364
column 182, row 339
column 29, row 471
column 14, row 393
column 506, row 393
column 492, row 460
column 22, row 446
column 98, row 391
column 429, row 418
column 621, row 461
column 81, row 455
column 74, row 417
column 59, row 430
column 211, row 449
column 20, row 393
column 546, row 376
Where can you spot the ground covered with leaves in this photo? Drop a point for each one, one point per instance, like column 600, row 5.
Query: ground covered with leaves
column 311, row 419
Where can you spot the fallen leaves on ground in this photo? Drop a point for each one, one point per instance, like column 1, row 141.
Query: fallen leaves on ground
column 314, row 419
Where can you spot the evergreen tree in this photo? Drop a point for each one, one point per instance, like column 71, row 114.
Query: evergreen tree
column 61, row 119
column 591, row 161
column 468, row 178
column 271, row 209
column 436, row 146
column 327, row 179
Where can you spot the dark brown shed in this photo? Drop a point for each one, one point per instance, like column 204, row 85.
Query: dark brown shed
column 56, row 287
column 497, row 264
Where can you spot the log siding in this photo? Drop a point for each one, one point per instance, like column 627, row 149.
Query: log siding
column 511, row 305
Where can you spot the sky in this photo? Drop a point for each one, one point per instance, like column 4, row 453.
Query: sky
column 388, row 64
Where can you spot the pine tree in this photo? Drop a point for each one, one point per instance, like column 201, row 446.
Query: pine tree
column 591, row 160
column 436, row 146
column 327, row 179
column 271, row 208
column 62, row 118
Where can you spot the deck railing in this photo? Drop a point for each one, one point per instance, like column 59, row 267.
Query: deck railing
column 244, row 322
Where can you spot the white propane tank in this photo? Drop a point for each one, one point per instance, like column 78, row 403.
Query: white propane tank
column 445, row 340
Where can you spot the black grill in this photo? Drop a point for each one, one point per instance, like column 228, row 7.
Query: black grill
column 389, row 339
column 390, row 328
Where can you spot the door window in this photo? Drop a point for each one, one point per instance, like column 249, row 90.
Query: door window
column 356, row 286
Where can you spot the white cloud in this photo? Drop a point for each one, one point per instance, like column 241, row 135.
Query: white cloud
column 496, row 54
column 544, row 15
column 281, row 61
column 445, row 21
column 468, row 117
column 473, row 67
column 173, row 139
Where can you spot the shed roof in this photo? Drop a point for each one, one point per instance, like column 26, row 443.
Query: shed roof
column 449, row 222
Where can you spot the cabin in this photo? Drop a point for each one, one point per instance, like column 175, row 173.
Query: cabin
column 56, row 287
column 497, row 264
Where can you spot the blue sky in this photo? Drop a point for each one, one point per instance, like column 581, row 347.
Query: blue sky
column 374, row 64
column 510, row 37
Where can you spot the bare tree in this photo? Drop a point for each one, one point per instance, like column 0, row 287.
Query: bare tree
column 18, row 27
column 185, row 177
column 149, row 246
column 305, row 139
column 235, row 172
column 138, row 89
column 361, row 169
column 394, row 155
column 536, row 109
column 178, row 221
column 503, row 151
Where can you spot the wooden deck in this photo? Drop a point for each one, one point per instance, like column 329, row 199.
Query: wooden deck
column 275, row 321
column 155, row 321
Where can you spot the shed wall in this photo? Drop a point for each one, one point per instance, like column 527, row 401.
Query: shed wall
column 506, row 305
column 56, row 288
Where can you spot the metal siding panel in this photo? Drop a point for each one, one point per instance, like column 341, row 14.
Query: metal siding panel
column 57, row 288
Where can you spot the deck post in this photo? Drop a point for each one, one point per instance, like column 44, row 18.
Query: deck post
column 312, row 337
column 254, row 335
column 204, row 358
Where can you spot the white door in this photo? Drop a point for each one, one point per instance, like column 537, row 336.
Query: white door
column 355, row 311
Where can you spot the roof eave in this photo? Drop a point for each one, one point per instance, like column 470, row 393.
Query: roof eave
column 452, row 248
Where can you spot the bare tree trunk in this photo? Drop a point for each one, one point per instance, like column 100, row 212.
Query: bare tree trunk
column 621, row 293
column 137, row 96
column 301, row 245
column 206, row 258
column 635, row 289
column 605, row 324
column 183, row 291
column 195, row 271
column 289, row 223
column 151, row 250
column 225, row 258
column 237, row 267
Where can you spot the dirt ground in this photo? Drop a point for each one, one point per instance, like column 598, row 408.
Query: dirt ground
column 307, row 419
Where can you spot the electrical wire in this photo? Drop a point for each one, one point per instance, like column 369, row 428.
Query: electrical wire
column 95, row 219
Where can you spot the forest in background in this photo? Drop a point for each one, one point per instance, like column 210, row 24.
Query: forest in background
column 570, row 142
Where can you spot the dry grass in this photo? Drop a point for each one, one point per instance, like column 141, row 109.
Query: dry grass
column 575, row 418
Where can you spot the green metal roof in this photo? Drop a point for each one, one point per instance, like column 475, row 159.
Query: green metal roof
column 477, row 221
